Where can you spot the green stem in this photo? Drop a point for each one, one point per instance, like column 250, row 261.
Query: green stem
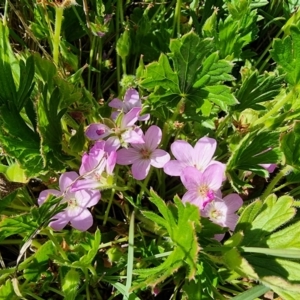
column 108, row 206
column 56, row 38
column 56, row 291
column 279, row 104
column 91, row 62
column 57, row 245
column 85, row 270
column 110, row 244
column 281, row 186
column 166, row 128
column 265, row 52
column 119, row 18
column 176, row 23
column 19, row 207
column 143, row 184
column 5, row 13
column 274, row 181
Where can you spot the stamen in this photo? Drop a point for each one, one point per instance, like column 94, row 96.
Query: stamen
column 145, row 153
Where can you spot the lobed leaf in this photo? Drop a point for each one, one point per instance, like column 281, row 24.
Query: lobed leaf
column 286, row 53
column 70, row 284
column 290, row 145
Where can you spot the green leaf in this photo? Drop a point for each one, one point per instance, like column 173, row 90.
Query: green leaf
column 186, row 248
column 7, row 291
column 283, row 288
column 220, row 95
column 290, row 145
column 257, row 88
column 196, row 77
column 123, row 44
column 161, row 74
column 213, row 71
column 286, row 53
column 77, row 141
column 45, row 70
column 260, row 260
column 258, row 147
column 288, row 237
column 236, row 31
column 86, row 260
column 70, row 284
column 187, row 60
column 25, row 85
column 50, row 129
column 40, row 264
column 252, row 293
column 248, row 215
column 16, row 174
column 16, row 225
column 274, row 212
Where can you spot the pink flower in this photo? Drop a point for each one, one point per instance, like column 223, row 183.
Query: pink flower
column 131, row 100
column 96, row 167
column 199, row 157
column 141, row 156
column 122, row 134
column 201, row 186
column 269, row 167
column 76, row 212
column 222, row 211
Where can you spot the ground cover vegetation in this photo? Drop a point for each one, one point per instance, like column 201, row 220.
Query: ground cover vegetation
column 149, row 149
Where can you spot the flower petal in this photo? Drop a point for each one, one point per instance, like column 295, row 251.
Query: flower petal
column 87, row 183
column 183, row 152
column 203, row 152
column 97, row 131
column 82, row 221
column 159, row 158
column 174, row 167
column 144, row 117
column 127, row 156
column 131, row 117
column 87, row 198
column 133, row 137
column 132, row 99
column 191, row 178
column 111, row 162
column 116, row 103
column 231, row 221
column 269, row 167
column 213, row 176
column 219, row 237
column 112, row 144
column 223, row 166
column 140, row 169
column 192, row 196
column 233, row 202
column 59, row 221
column 44, row 195
column 114, row 115
column 153, row 137
column 66, row 180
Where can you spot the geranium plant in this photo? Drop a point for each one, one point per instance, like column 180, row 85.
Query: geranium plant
column 149, row 150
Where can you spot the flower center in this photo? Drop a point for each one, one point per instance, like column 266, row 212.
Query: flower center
column 216, row 214
column 206, row 193
column 72, row 203
column 145, row 153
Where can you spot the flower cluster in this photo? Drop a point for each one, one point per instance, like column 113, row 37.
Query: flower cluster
column 81, row 191
column 202, row 176
column 121, row 141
